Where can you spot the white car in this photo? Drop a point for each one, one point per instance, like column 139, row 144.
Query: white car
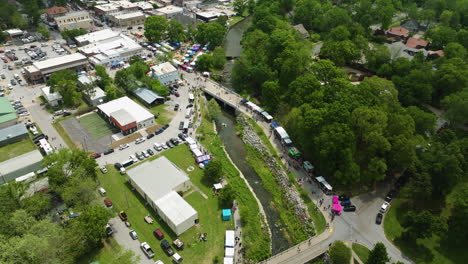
column 134, row 158
column 157, row 147
column 164, row 146
column 139, row 140
column 123, row 146
column 158, row 262
column 146, row 154
column 384, row 207
column 103, row 169
column 133, row 234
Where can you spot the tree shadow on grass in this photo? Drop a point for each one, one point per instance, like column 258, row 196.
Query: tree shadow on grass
column 415, row 251
column 453, row 250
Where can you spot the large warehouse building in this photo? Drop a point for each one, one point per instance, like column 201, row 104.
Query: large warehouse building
column 127, row 115
column 40, row 71
column 20, row 165
column 158, row 182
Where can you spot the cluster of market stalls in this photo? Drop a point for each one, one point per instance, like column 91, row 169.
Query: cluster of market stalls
column 189, row 59
column 283, row 136
column 201, row 158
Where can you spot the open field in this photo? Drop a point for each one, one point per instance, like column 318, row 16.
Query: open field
column 209, row 212
column 13, row 150
column 96, row 126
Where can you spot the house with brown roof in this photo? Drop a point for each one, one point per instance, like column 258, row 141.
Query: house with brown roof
column 56, row 11
column 435, row 53
column 416, row 43
column 400, row 32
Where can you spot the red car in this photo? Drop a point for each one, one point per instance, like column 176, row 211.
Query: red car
column 177, row 94
column 96, row 155
column 2, row 51
column 108, row 202
column 158, row 234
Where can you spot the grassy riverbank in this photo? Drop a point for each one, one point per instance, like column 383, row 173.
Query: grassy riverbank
column 256, row 239
column 316, row 215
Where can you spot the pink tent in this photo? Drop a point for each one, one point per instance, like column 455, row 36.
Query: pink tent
column 335, row 199
column 337, row 207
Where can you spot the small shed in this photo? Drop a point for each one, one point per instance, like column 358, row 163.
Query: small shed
column 226, row 213
column 217, row 186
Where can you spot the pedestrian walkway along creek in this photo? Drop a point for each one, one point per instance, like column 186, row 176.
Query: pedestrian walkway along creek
column 226, row 127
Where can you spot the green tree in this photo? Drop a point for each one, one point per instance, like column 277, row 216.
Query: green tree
column 423, row 225
column 340, row 253
column 271, row 92
column 375, row 58
column 211, row 34
column 378, row 255
column 227, row 196
column 79, row 192
column 456, row 106
column 240, row 6
column 424, row 121
column 86, row 231
column 457, row 224
column 31, row 8
column 37, row 204
column 102, row 78
column 68, row 163
column 111, row 92
column 175, row 31
column 214, row 110
column 340, row 52
column 454, row 50
column 204, row 62
column 135, row 59
column 340, row 33
column 73, row 33
column 326, row 71
column 155, row 28
column 44, row 31
column 213, row 171
column 219, row 58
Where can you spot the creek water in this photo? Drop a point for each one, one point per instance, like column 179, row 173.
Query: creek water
column 235, row 147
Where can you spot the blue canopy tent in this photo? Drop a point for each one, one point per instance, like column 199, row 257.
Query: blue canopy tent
column 226, row 214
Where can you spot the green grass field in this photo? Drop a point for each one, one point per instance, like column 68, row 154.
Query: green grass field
column 209, row 213
column 16, row 149
column 108, row 253
column 96, row 126
column 361, row 251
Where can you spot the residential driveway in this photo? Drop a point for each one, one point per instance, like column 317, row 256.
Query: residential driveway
column 123, row 238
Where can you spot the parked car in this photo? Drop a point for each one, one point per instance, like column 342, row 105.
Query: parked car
column 103, row 169
column 169, row 144
column 159, row 131
column 349, row 208
column 96, row 155
column 109, row 151
column 145, row 154
column 123, row 146
column 108, row 202
column 147, row 250
column 109, row 230
column 133, row 157
column 133, row 234
column 174, row 141
column 177, row 94
column 165, row 126
column 158, row 233
column 150, row 152
column 123, row 216
column 149, row 136
column 139, row 140
column 346, row 202
column 378, row 219
column 167, row 248
column 182, row 136
column 384, row 207
column 140, row 155
column 390, row 195
column 117, row 166
column 176, row 107
column 13, row 82
column 157, row 147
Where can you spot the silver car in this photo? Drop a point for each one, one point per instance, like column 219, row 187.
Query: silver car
column 133, row 234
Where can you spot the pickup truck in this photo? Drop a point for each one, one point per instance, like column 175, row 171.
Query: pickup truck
column 167, row 248
column 123, row 215
column 147, row 250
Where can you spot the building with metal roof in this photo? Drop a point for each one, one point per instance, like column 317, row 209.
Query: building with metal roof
column 40, row 71
column 8, row 115
column 96, row 36
column 126, row 114
column 19, row 166
column 12, row 134
column 158, row 182
column 165, row 73
column 148, row 97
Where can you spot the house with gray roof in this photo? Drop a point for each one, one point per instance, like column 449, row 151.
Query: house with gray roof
column 148, row 97
column 13, row 134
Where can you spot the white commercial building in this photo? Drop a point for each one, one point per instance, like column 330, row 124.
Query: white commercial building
column 127, row 115
column 144, row 6
column 169, row 11
column 41, row 70
column 165, row 73
column 108, row 48
column 53, row 99
column 158, row 182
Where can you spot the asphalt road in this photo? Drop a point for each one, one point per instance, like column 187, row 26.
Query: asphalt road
column 121, row 235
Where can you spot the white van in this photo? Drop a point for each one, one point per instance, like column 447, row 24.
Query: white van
column 177, row 258
column 102, row 191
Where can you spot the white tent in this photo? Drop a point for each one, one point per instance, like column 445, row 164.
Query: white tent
column 230, row 239
column 229, row 252
column 217, row 186
column 190, row 141
column 228, row 261
column 193, row 146
column 196, row 152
